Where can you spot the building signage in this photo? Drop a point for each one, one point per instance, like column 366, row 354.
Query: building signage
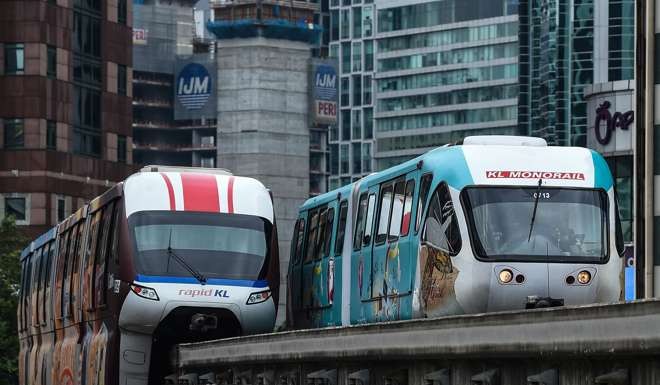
column 194, row 89
column 140, row 36
column 325, row 83
column 508, row 174
column 622, row 120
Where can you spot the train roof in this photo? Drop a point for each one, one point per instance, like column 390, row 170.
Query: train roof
column 40, row 241
column 339, row 193
column 498, row 160
column 196, row 191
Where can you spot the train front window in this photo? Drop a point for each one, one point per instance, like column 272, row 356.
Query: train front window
column 570, row 225
column 228, row 246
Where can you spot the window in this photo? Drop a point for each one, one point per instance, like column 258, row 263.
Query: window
column 103, row 255
column 14, row 59
column 52, row 62
column 359, row 224
column 61, row 209
column 357, row 57
column 368, row 123
column 421, row 199
column 16, row 207
column 357, row 92
column 334, row 26
column 91, row 244
column 343, row 159
column 369, row 55
column 45, row 279
column 121, row 79
column 357, row 22
column 345, row 91
column 368, row 225
column 397, row 210
column 357, row 159
column 384, row 218
column 122, row 11
column 441, row 228
column 121, row 149
column 341, row 227
column 38, row 272
column 51, row 135
column 14, row 135
column 366, row 89
column 345, row 24
column 407, row 208
column 311, row 235
column 320, row 235
column 330, row 217
column 366, row 157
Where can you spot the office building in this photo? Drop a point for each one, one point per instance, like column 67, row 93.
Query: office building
column 417, row 76
column 65, row 106
column 164, row 35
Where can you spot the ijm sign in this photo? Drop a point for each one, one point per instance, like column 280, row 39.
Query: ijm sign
column 622, row 120
column 193, row 86
column 325, row 93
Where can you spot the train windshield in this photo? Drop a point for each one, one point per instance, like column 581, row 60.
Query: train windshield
column 570, row 225
column 229, row 246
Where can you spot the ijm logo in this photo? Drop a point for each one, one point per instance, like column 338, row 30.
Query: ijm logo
column 622, row 120
column 325, row 82
column 193, row 86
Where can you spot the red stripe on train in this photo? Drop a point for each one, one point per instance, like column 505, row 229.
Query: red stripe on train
column 200, row 192
column 230, row 195
column 170, row 191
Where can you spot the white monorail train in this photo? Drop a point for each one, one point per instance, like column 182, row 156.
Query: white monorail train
column 165, row 257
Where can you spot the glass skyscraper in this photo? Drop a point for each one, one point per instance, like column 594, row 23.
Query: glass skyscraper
column 417, row 76
column 558, row 59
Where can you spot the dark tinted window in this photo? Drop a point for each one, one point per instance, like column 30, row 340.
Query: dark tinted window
column 328, row 231
column 407, row 208
column 360, row 222
column 384, row 213
column 310, row 242
column 341, row 227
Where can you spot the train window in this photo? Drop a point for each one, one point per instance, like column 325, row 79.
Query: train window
column 385, row 211
column 300, row 233
column 359, row 224
column 441, row 215
column 397, row 210
column 341, row 227
column 320, row 235
column 42, row 283
column 328, row 231
column 102, row 254
column 90, row 246
column 37, row 288
column 62, row 262
column 407, row 208
column 424, row 187
column 21, row 294
column 293, row 256
column 47, row 277
column 114, row 255
column 311, row 235
column 369, row 223
column 75, row 249
column 28, row 289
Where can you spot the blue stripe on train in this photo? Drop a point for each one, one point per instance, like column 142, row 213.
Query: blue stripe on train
column 210, row 281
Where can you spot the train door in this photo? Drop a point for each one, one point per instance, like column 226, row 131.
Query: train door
column 327, row 261
column 294, row 286
column 402, row 256
column 362, row 240
column 385, row 275
column 308, row 258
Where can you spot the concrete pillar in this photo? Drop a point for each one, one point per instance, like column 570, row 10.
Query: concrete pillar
column 263, row 129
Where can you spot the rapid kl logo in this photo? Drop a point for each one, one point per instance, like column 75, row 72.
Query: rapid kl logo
column 192, row 293
column 193, row 86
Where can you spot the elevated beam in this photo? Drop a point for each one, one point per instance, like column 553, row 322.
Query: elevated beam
column 630, row 329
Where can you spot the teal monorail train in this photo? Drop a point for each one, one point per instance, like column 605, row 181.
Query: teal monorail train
column 495, row 223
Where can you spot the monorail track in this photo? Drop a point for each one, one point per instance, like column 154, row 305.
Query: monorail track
column 595, row 344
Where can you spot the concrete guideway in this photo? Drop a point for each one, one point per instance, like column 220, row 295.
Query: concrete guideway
column 595, row 344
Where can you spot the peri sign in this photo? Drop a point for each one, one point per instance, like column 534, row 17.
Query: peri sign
column 324, row 92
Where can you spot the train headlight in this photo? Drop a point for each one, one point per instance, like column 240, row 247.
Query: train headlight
column 584, row 277
column 145, row 292
column 505, row 276
column 258, row 297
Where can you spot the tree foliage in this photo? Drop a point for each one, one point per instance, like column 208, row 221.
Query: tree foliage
column 11, row 243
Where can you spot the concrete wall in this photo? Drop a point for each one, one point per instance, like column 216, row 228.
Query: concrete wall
column 263, row 129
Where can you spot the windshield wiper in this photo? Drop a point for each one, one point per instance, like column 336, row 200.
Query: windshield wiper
column 170, row 253
column 536, row 203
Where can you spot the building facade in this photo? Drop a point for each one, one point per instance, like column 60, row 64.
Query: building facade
column 164, row 35
column 65, row 106
column 419, row 75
